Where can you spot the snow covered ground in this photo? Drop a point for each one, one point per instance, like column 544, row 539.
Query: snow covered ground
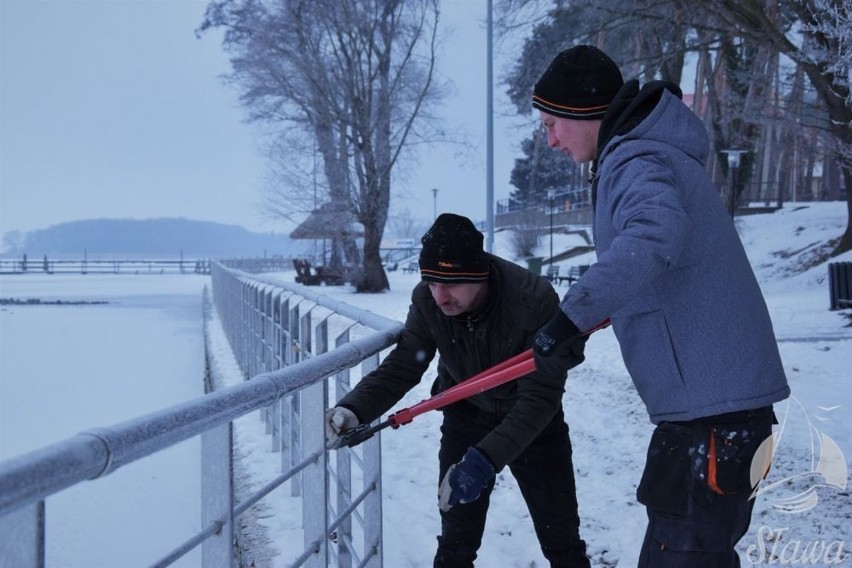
column 68, row 368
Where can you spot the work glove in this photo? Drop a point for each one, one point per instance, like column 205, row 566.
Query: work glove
column 338, row 421
column 559, row 346
column 465, row 480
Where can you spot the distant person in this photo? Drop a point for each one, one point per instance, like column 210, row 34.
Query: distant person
column 693, row 327
column 477, row 310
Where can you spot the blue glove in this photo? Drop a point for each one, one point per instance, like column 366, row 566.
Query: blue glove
column 559, row 346
column 465, row 480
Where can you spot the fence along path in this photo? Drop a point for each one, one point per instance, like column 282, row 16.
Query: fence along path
column 181, row 265
column 269, row 326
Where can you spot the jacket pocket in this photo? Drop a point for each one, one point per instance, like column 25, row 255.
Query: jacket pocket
column 737, row 459
column 649, row 355
column 666, row 481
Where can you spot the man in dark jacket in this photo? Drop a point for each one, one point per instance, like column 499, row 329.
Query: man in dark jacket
column 477, row 310
column 686, row 308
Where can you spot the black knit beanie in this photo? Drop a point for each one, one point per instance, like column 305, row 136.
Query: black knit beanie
column 579, row 83
column 452, row 251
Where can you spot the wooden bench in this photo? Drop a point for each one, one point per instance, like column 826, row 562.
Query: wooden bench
column 304, row 274
column 412, row 267
column 316, row 275
column 573, row 275
column 552, row 273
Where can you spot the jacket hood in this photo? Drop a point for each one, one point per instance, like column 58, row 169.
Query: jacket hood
column 652, row 113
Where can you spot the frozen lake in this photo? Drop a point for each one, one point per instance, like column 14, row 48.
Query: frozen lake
column 65, row 368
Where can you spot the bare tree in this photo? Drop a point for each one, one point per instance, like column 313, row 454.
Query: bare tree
column 294, row 185
column 353, row 75
column 738, row 43
column 820, row 46
column 526, row 233
column 405, row 225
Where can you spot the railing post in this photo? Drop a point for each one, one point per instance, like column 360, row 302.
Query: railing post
column 315, row 496
column 217, row 495
column 292, row 455
column 344, row 471
column 269, row 330
column 279, row 414
column 372, row 458
column 257, row 330
column 298, row 424
column 245, row 326
column 22, row 537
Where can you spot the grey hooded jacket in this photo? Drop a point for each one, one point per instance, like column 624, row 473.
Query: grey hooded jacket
column 689, row 315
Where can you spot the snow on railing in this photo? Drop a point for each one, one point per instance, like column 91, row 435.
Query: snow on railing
column 287, row 367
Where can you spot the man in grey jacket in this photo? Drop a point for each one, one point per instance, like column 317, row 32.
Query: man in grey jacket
column 686, row 308
column 477, row 310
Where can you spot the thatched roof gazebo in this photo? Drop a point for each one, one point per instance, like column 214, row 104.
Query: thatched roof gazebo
column 330, row 221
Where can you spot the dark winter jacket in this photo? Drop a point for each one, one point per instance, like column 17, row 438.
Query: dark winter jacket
column 519, row 304
column 693, row 327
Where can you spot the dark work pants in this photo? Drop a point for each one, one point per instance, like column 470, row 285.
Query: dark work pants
column 545, row 475
column 690, row 523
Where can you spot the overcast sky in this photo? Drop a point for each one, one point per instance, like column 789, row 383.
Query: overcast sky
column 114, row 109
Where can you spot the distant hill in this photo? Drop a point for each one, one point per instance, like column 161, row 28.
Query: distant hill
column 150, row 237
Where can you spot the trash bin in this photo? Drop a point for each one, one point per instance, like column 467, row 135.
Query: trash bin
column 534, row 264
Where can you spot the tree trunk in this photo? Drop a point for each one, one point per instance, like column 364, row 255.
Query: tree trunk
column 845, row 243
column 833, row 94
column 374, row 278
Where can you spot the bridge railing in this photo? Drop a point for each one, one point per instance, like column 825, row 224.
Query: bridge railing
column 291, row 372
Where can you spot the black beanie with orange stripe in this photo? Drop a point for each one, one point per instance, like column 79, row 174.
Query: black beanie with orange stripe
column 579, row 83
column 452, row 251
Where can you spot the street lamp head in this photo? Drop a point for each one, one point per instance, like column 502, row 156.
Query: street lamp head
column 733, row 155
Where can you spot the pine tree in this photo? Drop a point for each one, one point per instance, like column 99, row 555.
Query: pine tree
column 541, row 169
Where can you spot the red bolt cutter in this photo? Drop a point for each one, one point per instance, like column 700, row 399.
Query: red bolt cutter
column 509, row 370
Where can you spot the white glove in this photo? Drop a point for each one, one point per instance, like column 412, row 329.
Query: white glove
column 339, row 420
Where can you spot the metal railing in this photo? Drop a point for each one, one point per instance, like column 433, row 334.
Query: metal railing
column 287, row 360
column 85, row 265
column 47, row 265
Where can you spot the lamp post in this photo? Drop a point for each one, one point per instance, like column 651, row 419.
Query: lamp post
column 551, row 193
column 733, row 155
column 434, row 203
